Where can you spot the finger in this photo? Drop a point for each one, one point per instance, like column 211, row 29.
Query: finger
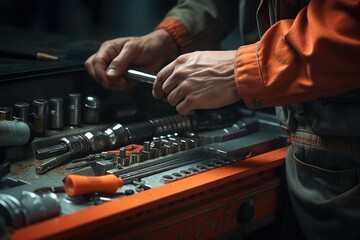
column 185, row 107
column 161, row 77
column 100, row 75
column 106, row 53
column 90, row 68
column 175, row 96
column 120, row 63
column 169, row 85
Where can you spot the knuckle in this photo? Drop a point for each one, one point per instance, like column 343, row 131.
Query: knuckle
column 169, row 99
column 190, row 100
column 159, row 77
column 115, row 63
column 181, row 109
column 180, row 60
column 106, row 44
column 130, row 45
column 98, row 59
column 185, row 87
column 179, row 75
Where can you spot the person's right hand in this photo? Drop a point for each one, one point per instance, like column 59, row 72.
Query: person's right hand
column 147, row 53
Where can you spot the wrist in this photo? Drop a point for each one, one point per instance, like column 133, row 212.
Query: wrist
column 172, row 49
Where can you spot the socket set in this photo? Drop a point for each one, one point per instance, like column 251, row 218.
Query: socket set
column 141, row 156
column 54, row 113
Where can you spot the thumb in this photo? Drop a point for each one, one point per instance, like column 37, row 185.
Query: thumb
column 116, row 69
column 121, row 62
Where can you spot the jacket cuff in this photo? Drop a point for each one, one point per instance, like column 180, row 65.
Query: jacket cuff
column 177, row 31
column 248, row 77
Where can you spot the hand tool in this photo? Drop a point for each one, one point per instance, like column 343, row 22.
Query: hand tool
column 91, row 159
column 146, row 152
column 123, row 159
column 91, row 112
column 29, row 208
column 6, row 113
column 39, row 115
column 118, row 135
column 21, row 111
column 143, row 77
column 73, row 109
column 55, row 162
column 56, row 113
column 76, row 185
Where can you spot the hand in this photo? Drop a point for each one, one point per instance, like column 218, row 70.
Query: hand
column 198, row 80
column 147, row 53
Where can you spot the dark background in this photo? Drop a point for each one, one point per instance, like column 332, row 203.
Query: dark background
column 91, row 19
column 73, row 30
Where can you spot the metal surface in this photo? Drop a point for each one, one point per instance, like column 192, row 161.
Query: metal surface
column 92, row 108
column 6, row 113
column 39, row 114
column 73, row 109
column 172, row 159
column 115, row 136
column 118, row 135
column 56, row 113
column 168, row 209
column 55, row 162
column 29, row 208
column 21, row 111
column 140, row 76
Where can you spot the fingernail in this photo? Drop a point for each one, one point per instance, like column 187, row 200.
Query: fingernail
column 111, row 72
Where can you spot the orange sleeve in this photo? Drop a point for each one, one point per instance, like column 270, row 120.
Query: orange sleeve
column 312, row 56
column 177, row 31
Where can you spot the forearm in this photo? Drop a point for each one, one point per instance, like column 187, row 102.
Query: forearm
column 307, row 58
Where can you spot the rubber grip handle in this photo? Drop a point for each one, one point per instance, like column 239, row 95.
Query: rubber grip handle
column 76, row 185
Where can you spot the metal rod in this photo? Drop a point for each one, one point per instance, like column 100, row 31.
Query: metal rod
column 55, row 162
column 160, row 168
column 140, row 76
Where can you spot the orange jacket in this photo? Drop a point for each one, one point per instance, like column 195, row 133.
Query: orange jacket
column 311, row 56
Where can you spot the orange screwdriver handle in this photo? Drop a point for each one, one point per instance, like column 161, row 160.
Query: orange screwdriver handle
column 76, row 185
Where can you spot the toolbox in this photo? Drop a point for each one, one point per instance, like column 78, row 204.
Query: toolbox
column 123, row 165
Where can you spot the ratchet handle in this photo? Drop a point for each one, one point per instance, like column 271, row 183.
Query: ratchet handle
column 143, row 77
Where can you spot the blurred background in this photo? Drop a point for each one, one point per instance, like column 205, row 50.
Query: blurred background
column 73, row 30
column 91, row 19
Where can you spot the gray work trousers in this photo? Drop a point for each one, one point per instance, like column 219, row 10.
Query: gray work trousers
column 324, row 190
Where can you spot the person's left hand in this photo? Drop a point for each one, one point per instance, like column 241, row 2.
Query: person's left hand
column 198, row 80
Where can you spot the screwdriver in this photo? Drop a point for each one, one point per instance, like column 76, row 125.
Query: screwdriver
column 76, row 185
